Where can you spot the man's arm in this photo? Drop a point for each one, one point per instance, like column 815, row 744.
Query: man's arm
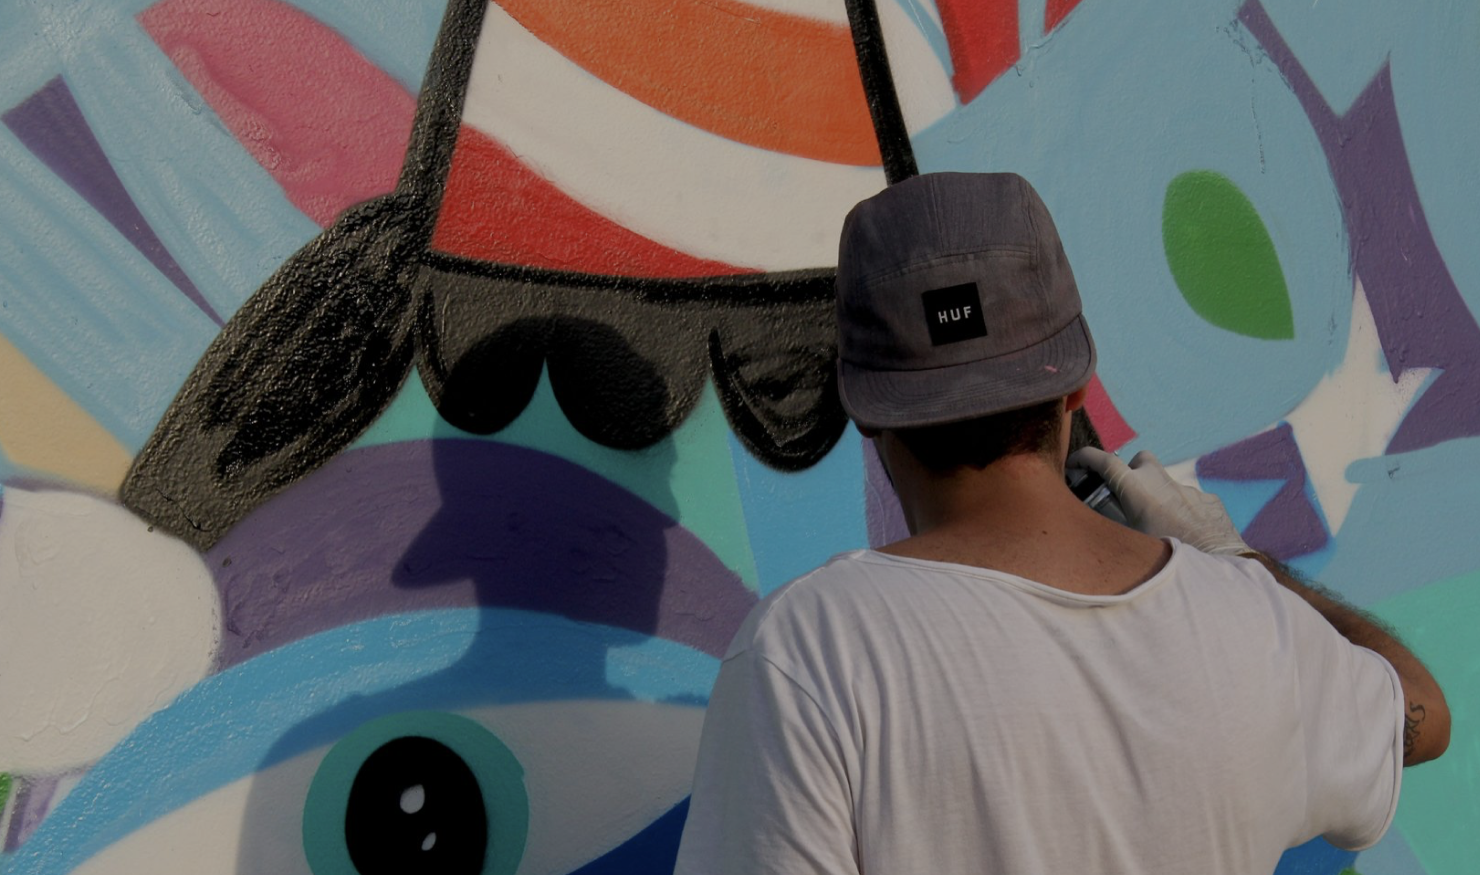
column 1426, row 721
column 1156, row 504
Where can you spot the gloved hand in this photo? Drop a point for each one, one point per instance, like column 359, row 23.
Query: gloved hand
column 1156, row 504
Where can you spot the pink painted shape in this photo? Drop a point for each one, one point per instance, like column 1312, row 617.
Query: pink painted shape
column 1114, row 431
column 329, row 125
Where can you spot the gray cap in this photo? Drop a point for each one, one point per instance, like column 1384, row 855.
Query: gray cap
column 955, row 300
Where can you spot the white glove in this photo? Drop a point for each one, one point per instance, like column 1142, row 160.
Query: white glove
column 1157, row 505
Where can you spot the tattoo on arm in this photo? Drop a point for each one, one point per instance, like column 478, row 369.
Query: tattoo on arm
column 1411, row 720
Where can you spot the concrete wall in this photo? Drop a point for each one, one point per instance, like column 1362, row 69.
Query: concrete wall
column 360, row 385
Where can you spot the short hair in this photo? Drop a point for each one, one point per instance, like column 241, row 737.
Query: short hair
column 977, row 443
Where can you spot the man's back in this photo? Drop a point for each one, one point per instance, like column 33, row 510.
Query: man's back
column 1138, row 709
column 889, row 714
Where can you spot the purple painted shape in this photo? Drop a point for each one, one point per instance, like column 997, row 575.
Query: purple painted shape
column 31, row 800
column 1289, row 525
column 51, row 125
column 461, row 523
column 1421, row 318
column 884, row 516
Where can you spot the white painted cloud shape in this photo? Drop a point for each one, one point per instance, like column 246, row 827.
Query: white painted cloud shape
column 102, row 623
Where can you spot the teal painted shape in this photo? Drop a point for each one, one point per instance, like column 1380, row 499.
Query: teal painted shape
column 396, row 37
column 629, row 668
column 1243, row 499
column 1440, row 802
column 496, row 770
column 1391, row 856
column 1412, row 521
column 688, row 475
column 1312, row 566
column 797, row 520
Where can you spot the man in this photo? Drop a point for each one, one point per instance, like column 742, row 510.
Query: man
column 1023, row 686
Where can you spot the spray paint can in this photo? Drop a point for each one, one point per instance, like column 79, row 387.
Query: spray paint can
column 1090, row 488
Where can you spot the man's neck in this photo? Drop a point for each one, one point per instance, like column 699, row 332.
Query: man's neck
column 1016, row 515
column 1009, row 493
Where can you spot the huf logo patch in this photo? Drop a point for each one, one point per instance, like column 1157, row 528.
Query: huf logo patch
column 954, row 313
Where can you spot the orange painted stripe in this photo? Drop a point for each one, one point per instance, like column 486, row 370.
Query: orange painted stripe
column 777, row 81
column 43, row 429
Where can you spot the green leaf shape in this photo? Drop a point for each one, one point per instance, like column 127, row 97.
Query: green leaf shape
column 1222, row 257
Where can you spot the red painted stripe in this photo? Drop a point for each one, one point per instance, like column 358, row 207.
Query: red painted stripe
column 496, row 209
column 1055, row 13
column 983, row 38
column 1114, row 431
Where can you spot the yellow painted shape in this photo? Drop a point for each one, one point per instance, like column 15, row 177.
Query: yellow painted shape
column 42, row 429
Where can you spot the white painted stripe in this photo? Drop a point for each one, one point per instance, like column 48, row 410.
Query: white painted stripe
column 1352, row 413
column 923, row 85
column 660, row 177
column 928, row 7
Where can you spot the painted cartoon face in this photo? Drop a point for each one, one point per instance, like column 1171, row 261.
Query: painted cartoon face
column 1264, row 203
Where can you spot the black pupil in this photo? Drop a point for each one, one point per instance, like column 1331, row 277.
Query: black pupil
column 416, row 807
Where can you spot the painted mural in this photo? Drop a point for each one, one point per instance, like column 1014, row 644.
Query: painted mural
column 401, row 403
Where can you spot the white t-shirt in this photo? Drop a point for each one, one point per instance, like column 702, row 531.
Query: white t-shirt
column 887, row 715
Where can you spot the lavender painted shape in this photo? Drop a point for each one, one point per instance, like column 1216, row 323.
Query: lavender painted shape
column 461, row 523
column 1421, row 318
column 51, row 125
column 1289, row 525
column 884, row 516
column 31, row 802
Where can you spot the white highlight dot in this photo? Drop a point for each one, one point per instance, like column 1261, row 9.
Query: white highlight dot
column 413, row 798
column 426, row 843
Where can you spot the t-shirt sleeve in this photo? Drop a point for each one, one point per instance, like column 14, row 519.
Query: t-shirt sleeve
column 771, row 792
column 1352, row 718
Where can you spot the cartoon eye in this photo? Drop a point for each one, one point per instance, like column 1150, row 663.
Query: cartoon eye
column 419, row 791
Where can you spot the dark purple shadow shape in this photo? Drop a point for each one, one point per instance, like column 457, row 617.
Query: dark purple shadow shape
column 462, row 523
column 51, row 125
column 1289, row 525
column 1421, row 318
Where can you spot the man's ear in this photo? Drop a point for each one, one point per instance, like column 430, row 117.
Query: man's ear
column 1075, row 400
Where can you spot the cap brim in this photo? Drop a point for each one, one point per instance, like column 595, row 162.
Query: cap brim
column 1046, row 370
